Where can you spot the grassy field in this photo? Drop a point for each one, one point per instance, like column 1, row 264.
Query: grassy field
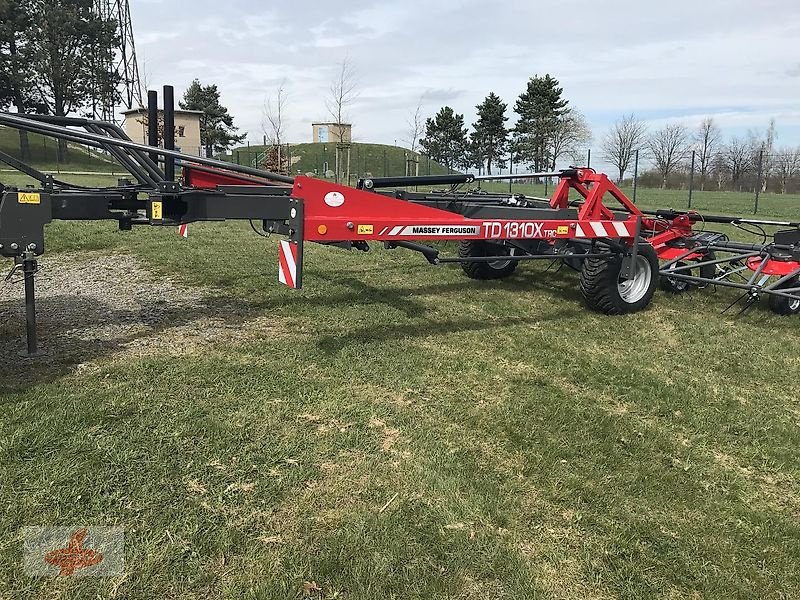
column 377, row 159
column 396, row 430
column 44, row 155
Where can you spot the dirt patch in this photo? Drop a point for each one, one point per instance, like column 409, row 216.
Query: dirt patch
column 98, row 305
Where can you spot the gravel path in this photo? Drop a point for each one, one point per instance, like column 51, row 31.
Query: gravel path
column 99, row 306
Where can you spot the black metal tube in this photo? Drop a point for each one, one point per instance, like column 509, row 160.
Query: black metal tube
column 169, row 131
column 139, row 157
column 486, row 259
column 77, row 137
column 29, row 270
column 125, row 160
column 112, row 129
column 23, row 167
column 385, row 182
column 89, row 139
column 152, row 122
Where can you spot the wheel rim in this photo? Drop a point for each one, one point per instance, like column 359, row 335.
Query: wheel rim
column 502, row 264
column 634, row 289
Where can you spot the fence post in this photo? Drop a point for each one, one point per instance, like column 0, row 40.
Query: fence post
column 510, row 171
column 635, row 176
column 760, row 175
column 691, row 178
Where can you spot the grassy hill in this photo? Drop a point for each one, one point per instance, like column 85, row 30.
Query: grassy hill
column 378, row 160
column 44, row 154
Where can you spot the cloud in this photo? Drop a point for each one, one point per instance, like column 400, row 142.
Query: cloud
column 720, row 57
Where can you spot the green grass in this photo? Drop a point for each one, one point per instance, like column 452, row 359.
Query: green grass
column 44, row 155
column 536, row 450
column 377, row 159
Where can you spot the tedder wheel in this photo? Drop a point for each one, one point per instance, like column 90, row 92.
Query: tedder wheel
column 606, row 291
column 679, row 286
column 486, row 270
column 782, row 305
column 672, row 285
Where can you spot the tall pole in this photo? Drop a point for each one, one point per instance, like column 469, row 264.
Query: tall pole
column 510, row 169
column 169, row 131
column 691, row 178
column 635, row 176
column 589, row 158
column 152, row 122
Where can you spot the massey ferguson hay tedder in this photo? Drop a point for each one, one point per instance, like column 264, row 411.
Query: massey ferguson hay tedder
column 620, row 251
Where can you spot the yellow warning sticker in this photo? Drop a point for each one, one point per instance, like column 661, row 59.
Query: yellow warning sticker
column 29, row 198
column 156, row 211
column 366, row 229
column 563, row 230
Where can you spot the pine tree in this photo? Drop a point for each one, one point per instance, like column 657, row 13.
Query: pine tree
column 490, row 137
column 539, row 108
column 217, row 132
column 445, row 139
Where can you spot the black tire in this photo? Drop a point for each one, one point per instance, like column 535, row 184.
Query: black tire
column 708, row 271
column 675, row 286
column 781, row 305
column 605, row 292
column 486, row 270
column 678, row 286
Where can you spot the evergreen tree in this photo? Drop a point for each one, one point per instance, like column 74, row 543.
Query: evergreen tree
column 539, row 108
column 445, row 139
column 63, row 40
column 15, row 63
column 217, row 132
column 490, row 137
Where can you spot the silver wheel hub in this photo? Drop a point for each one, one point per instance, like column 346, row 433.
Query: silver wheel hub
column 634, row 289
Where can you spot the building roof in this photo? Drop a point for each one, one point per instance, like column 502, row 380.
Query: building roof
column 332, row 123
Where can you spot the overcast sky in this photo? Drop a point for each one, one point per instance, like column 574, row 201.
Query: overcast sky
column 738, row 60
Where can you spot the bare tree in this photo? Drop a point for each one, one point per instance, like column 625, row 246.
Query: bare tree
column 622, row 141
column 342, row 93
column 571, row 136
column 762, row 147
column 668, row 147
column 416, row 127
column 737, row 157
column 787, row 166
column 273, row 124
column 706, row 144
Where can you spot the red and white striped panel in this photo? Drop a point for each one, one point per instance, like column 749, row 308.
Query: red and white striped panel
column 287, row 264
column 608, row 229
column 183, row 230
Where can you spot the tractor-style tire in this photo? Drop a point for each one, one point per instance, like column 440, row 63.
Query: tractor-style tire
column 606, row 292
column 486, row 270
column 785, row 306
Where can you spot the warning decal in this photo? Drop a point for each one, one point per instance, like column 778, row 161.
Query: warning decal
column 29, row 198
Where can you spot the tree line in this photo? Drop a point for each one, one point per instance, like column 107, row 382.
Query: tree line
column 547, row 130
column 676, row 151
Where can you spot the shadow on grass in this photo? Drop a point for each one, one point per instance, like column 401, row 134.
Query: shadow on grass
column 74, row 330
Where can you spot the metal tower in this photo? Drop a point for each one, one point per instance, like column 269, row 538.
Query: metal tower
column 123, row 65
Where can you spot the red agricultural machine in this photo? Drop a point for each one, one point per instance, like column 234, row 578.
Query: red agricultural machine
column 620, row 251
